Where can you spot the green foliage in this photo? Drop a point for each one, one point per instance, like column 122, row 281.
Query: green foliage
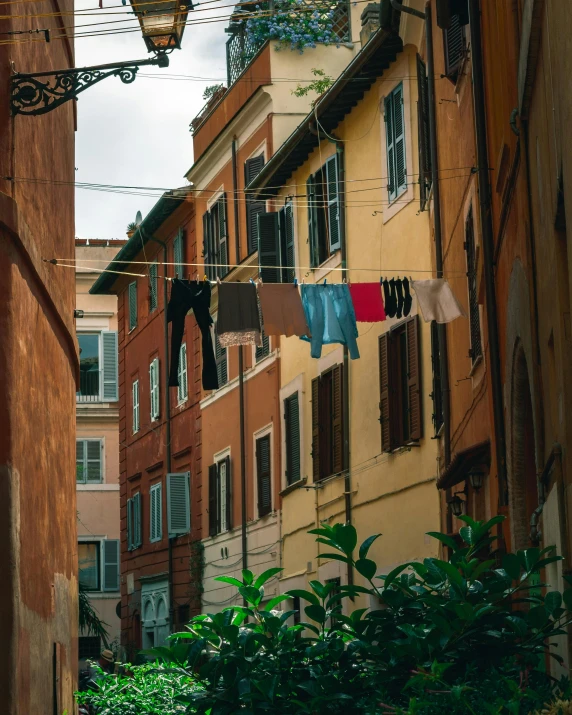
column 460, row 636
column 148, row 689
column 89, row 622
column 319, row 85
column 211, row 90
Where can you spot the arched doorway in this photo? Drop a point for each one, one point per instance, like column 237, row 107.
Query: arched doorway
column 522, row 482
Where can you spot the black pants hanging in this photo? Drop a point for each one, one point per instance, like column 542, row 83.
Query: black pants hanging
column 187, row 295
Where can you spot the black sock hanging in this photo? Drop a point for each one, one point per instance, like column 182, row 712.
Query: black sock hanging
column 392, row 298
column 387, row 299
column 408, row 300
column 399, row 293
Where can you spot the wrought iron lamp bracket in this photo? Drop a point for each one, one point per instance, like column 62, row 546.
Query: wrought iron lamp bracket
column 39, row 93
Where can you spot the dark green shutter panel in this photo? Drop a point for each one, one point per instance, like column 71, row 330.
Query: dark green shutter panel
column 292, row 427
column 228, row 494
column 338, row 419
column 263, row 350
column 289, row 253
column 93, row 468
column 390, row 147
column 152, row 287
column 178, row 258
column 316, row 428
column 221, row 361
column 312, row 221
column 423, row 132
column 476, row 349
column 111, row 565
column 109, row 341
column 213, row 500
column 436, row 395
column 333, row 203
column 268, row 247
column 263, row 470
column 129, row 524
column 178, row 504
column 132, row 305
column 384, row 394
column 222, row 237
column 414, row 379
column 80, row 474
column 454, row 42
column 137, row 521
column 399, row 139
column 253, row 167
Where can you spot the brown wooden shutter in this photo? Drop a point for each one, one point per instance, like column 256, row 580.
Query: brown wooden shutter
column 213, row 500
column 423, row 130
column 228, row 494
column 414, row 379
column 263, row 475
column 316, row 428
column 454, row 41
column 384, row 401
column 338, row 419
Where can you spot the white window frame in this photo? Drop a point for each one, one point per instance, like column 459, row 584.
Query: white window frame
column 220, row 457
column 100, row 540
column 157, row 537
column 100, row 361
column 182, row 374
column 296, row 385
column 101, row 441
column 154, row 393
column 135, row 404
column 267, row 430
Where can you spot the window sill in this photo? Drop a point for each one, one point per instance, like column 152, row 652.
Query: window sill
column 324, row 268
column 390, row 209
column 181, row 403
column 292, row 487
column 101, row 487
column 475, row 365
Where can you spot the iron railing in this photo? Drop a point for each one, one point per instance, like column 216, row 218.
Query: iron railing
column 89, row 386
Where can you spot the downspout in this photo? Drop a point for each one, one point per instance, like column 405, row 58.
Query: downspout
column 240, row 370
column 167, row 416
column 488, row 245
column 441, row 328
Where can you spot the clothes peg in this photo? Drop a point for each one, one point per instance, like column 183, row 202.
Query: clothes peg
column 218, row 280
column 295, row 282
column 205, row 277
column 325, row 281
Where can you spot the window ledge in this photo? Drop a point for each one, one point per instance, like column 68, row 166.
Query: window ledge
column 292, row 487
column 475, row 365
column 97, row 487
column 324, row 268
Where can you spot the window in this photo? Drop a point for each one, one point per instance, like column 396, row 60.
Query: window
column 276, row 254
column 179, row 254
column 253, row 167
column 263, row 474
column 135, row 399
column 183, row 389
column 395, row 143
column 155, row 513
column 327, row 423
column 154, row 385
column 221, row 361
column 263, row 350
column 134, row 535
column 89, row 647
column 455, row 44
column 98, row 376
column 153, row 286
column 215, row 240
column 436, row 395
column 323, row 212
column 98, row 563
column 220, row 497
column 476, row 349
column 178, row 504
column 88, row 461
column 292, row 432
column 400, row 389
column 132, row 292
column 423, row 130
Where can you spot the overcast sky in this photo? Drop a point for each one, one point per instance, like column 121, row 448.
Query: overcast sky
column 138, row 134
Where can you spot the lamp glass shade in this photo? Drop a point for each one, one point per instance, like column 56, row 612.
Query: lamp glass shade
column 162, row 24
column 457, row 506
column 476, row 478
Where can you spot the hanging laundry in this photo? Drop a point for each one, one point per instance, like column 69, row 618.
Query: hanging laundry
column 407, row 300
column 390, row 298
column 185, row 296
column 330, row 315
column 238, row 321
column 368, row 305
column 282, row 311
column 399, row 294
column 437, row 301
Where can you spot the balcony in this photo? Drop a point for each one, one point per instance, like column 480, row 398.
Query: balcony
column 89, row 386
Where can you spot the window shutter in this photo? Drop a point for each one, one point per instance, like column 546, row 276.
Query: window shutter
column 152, row 286
column 93, row 470
column 222, row 237
column 135, row 399
column 129, row 524
column 221, row 361
column 228, row 495
column 210, row 269
column 213, row 500
column 178, row 258
column 154, row 384
column 268, row 247
column 454, row 42
column 338, row 418
column 263, row 350
column 414, row 379
column 384, row 400
column 178, row 504
column 155, row 508
column 287, row 241
column 183, row 389
column 109, row 340
column 137, row 521
column 423, row 131
column 476, row 349
column 316, row 428
column 111, row 565
column 312, row 221
column 390, row 147
column 292, row 429
column 80, row 471
column 436, row 395
column 132, row 305
column 253, row 167
column 263, row 472
column 399, row 139
column 333, row 203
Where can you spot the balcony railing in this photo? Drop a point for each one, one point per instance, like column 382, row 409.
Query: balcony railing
column 240, row 51
column 89, row 386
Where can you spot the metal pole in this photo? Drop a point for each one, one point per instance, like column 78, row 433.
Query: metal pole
column 242, row 456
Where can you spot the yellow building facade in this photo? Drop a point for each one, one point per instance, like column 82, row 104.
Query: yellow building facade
column 383, row 486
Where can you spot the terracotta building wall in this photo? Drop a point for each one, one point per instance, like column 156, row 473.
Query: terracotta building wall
column 38, row 368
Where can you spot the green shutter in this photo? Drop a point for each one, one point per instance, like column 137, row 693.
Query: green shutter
column 253, row 167
column 268, row 247
column 109, row 339
column 80, row 460
column 92, row 468
column 137, row 536
column 331, row 171
column 183, row 389
column 221, row 361
column 292, row 428
column 210, row 267
column 222, row 237
column 395, row 143
column 178, row 254
column 132, row 305
column 312, row 221
column 178, row 504
column 263, row 473
column 153, row 287
column 263, row 350
column 154, row 388
column 129, row 524
column 155, row 513
column 287, row 241
column 111, row 565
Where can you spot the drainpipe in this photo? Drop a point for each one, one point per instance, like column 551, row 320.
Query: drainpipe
column 488, row 245
column 167, row 415
column 441, row 328
column 240, row 369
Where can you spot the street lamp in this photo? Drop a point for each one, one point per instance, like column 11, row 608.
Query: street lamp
column 476, row 478
column 162, row 23
column 457, row 505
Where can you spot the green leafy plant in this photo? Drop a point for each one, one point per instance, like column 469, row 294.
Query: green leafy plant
column 89, row 621
column 211, row 91
column 319, row 85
